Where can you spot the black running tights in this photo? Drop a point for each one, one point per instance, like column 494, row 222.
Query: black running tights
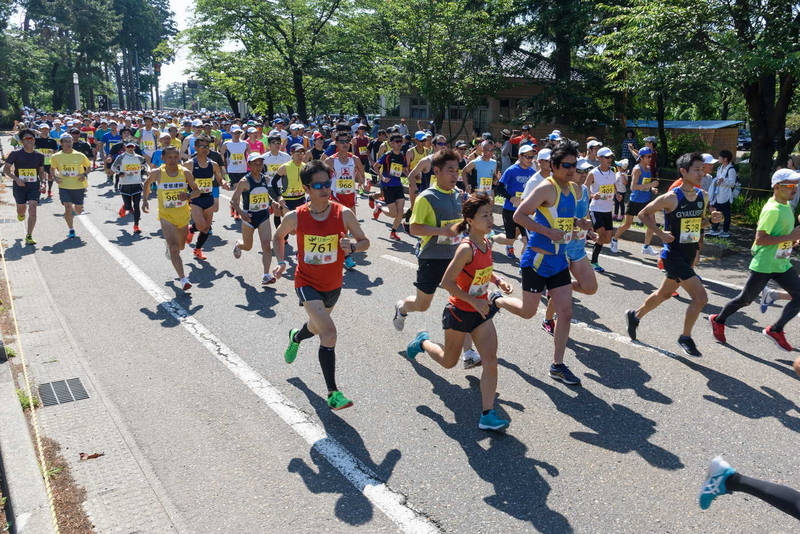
column 784, row 498
column 789, row 282
column 132, row 203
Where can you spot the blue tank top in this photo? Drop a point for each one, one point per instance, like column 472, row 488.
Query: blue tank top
column 560, row 215
column 256, row 198
column 643, row 197
column 485, row 173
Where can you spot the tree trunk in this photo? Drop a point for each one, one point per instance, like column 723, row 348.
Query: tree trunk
column 662, row 133
column 563, row 64
column 299, row 92
column 120, row 93
column 233, row 102
column 3, row 99
column 270, row 106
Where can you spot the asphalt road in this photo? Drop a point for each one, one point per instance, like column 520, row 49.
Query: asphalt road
column 624, row 453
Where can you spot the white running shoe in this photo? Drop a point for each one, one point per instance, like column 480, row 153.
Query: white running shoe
column 237, row 252
column 399, row 320
column 648, row 250
column 186, row 284
column 471, row 359
column 767, row 298
column 614, row 246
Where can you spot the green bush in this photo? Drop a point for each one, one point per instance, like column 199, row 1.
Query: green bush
column 686, row 142
column 752, row 211
column 8, row 116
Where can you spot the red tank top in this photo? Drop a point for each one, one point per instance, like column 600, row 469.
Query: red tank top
column 320, row 260
column 475, row 277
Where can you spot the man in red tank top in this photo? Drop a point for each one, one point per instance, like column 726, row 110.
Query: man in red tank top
column 321, row 227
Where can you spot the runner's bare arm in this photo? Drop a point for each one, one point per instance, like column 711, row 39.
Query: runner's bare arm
column 665, row 202
column 351, row 223
column 543, row 195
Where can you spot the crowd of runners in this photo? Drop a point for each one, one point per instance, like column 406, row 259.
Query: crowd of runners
column 296, row 187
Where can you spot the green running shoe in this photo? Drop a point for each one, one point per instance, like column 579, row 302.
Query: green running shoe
column 291, row 350
column 337, row 401
column 29, row 240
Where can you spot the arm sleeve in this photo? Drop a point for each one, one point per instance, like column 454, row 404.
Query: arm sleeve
column 275, row 186
column 501, row 190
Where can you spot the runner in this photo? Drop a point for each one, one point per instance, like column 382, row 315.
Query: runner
column 129, row 167
column 642, row 188
column 79, row 145
column 772, row 251
column 602, row 182
column 173, row 206
column 468, row 312
column 361, row 151
column 147, row 137
column 510, row 187
column 70, row 170
column 47, row 146
column 621, row 188
column 321, row 227
column 110, row 138
column 206, row 174
column 543, row 162
column 287, row 188
column 585, row 281
column 685, row 214
column 413, row 156
column 548, row 215
column 236, row 153
column 253, row 189
column 347, row 171
column 391, row 167
column 29, row 178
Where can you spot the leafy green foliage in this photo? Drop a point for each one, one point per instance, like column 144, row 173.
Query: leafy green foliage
column 687, row 142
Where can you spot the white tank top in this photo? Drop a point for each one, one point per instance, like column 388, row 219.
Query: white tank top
column 344, row 175
column 236, row 162
column 605, row 184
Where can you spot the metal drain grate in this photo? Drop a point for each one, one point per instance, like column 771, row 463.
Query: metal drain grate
column 62, row 391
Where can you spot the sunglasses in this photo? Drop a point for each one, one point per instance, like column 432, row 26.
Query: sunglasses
column 299, row 152
column 345, row 142
column 461, row 148
column 441, row 144
column 566, row 165
column 29, row 139
column 320, row 185
column 528, row 157
column 790, row 186
column 396, row 141
column 201, row 146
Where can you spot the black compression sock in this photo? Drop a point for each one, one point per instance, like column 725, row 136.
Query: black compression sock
column 276, row 220
column 596, row 252
column 327, row 361
column 303, row 334
column 485, row 412
column 201, row 240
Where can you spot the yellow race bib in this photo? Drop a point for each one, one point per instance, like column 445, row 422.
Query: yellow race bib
column 131, row 169
column 607, row 191
column 566, row 224
column 784, row 250
column 396, row 170
column 445, row 240
column 28, row 175
column 259, row 201
column 237, row 159
column 362, row 151
column 690, row 230
column 320, row 249
column 485, row 183
column 69, row 171
column 345, row 186
column 206, row 185
column 480, row 282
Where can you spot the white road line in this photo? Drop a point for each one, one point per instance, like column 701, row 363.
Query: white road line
column 390, row 502
column 642, row 264
column 594, row 329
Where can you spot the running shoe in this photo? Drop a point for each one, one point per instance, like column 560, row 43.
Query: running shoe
column 549, row 326
column 237, row 252
column 291, row 351
column 767, row 298
column 614, row 246
column 71, row 234
column 471, row 359
column 268, row 280
column 20, row 218
column 688, row 346
column 399, row 320
column 349, row 262
column 714, row 485
column 660, row 265
column 29, row 240
column 415, row 347
column 778, row 338
column 633, row 323
column 371, row 203
column 49, row 194
column 648, row 250
column 187, row 285
column 198, row 253
column 210, row 231
column 337, row 401
column 717, row 329
column 490, row 421
column 393, row 235
column 376, row 212
column 562, row 373
column 510, row 252
column 597, row 268
column 122, row 212
column 136, row 229
column 724, row 234
column 189, row 235
column 712, row 233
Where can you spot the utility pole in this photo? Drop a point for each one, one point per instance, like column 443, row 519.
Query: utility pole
column 77, row 91
column 157, row 72
column 183, row 91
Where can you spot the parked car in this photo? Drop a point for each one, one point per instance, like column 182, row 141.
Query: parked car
column 745, row 142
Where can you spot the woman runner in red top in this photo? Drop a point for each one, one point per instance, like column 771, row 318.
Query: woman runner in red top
column 468, row 310
column 321, row 227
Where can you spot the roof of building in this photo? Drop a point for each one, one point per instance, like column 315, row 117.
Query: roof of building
column 519, row 63
column 684, row 125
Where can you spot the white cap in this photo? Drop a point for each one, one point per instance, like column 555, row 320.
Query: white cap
column 708, row 159
column 44, row 125
column 584, row 165
column 622, row 163
column 557, row 132
column 57, row 121
column 65, row 136
column 197, row 123
column 785, row 175
column 593, row 143
column 165, row 135
column 235, row 129
column 295, row 126
column 544, row 154
column 525, row 149
column 605, row 152
column 254, row 156
column 251, row 130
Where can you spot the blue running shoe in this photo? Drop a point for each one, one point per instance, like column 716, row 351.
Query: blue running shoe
column 718, row 472
column 349, row 262
column 71, row 234
column 597, row 268
column 767, row 298
column 415, row 347
column 562, row 373
column 491, row 421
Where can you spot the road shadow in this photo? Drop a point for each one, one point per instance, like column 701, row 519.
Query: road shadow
column 127, row 238
column 615, row 372
column 260, row 301
column 615, row 427
column 629, row 284
column 520, row 488
column 203, row 273
column 788, row 371
column 355, row 279
column 352, row 507
column 399, row 246
column 60, row 247
column 745, row 400
column 181, row 309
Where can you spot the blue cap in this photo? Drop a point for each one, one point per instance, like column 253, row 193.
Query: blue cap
column 420, row 135
column 277, row 121
column 646, row 151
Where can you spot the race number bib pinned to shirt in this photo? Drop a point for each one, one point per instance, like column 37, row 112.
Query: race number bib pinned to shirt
column 690, row 230
column 320, row 249
column 132, row 169
column 784, row 250
column 396, row 170
column 171, row 192
column 607, row 191
column 206, row 185
column 566, row 224
column 28, row 175
column 485, row 183
column 579, row 234
column 646, row 180
column 446, row 240
column 258, row 201
column 362, row 151
column 148, row 144
column 69, row 171
column 237, row 159
column 480, row 282
column 345, row 186
column 272, row 168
